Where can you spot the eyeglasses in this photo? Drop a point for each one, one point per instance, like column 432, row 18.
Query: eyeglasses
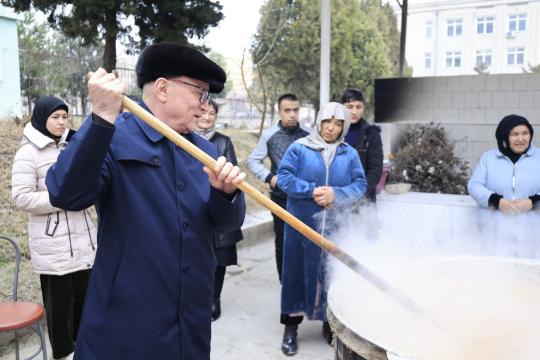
column 204, row 96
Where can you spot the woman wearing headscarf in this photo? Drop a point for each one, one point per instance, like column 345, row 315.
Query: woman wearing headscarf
column 224, row 243
column 62, row 243
column 321, row 174
column 507, row 181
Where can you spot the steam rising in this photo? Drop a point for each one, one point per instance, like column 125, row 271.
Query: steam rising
column 476, row 273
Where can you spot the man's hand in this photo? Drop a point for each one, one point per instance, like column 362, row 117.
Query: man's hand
column 273, row 182
column 225, row 176
column 324, row 196
column 106, row 93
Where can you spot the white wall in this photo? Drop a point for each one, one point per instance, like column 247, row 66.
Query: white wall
column 439, row 11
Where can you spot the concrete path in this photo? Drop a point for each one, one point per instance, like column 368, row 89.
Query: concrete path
column 249, row 326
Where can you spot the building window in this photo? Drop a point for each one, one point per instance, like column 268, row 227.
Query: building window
column 429, row 29
column 454, row 27
column 484, row 25
column 517, row 22
column 453, row 59
column 427, row 60
column 516, row 56
column 483, row 57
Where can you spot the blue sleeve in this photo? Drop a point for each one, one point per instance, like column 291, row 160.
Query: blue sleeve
column 356, row 189
column 477, row 184
column 226, row 215
column 287, row 180
column 82, row 172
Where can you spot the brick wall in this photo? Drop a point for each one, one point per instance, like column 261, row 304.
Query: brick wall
column 469, row 107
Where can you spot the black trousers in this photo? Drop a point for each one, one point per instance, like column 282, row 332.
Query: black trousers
column 218, row 281
column 63, row 297
column 279, row 231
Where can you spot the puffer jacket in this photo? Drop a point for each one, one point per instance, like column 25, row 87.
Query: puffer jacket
column 60, row 242
column 273, row 143
column 496, row 173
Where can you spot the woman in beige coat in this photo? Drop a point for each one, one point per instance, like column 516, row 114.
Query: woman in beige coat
column 62, row 243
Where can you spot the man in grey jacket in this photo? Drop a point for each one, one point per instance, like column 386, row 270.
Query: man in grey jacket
column 273, row 143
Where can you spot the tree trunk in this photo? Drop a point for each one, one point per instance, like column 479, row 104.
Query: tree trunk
column 263, row 117
column 83, row 102
column 111, row 31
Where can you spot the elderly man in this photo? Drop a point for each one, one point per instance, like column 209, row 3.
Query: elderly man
column 150, row 294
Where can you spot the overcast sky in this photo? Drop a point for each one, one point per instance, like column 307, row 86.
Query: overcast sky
column 234, row 32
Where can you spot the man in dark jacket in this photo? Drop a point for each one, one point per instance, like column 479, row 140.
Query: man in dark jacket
column 366, row 139
column 150, row 294
column 273, row 143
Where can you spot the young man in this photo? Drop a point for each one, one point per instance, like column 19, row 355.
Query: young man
column 366, row 139
column 150, row 294
column 273, row 143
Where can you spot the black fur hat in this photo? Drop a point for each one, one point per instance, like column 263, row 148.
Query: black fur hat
column 169, row 59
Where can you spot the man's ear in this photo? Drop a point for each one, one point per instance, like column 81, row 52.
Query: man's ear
column 161, row 88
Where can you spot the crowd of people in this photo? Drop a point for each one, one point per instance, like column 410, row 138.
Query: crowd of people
column 147, row 283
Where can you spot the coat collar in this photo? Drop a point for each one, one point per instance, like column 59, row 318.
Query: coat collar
column 150, row 133
column 529, row 152
column 155, row 136
column 38, row 139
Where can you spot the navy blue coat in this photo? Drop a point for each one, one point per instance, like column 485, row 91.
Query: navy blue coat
column 151, row 289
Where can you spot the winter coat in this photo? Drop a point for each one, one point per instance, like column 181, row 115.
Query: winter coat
column 496, row 173
column 150, row 294
column 301, row 170
column 60, row 242
column 370, row 148
column 273, row 143
column 502, row 234
column 225, row 148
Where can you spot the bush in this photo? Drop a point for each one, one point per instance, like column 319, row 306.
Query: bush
column 426, row 160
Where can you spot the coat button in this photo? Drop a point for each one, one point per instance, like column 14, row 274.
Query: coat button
column 185, row 268
column 181, row 185
column 185, row 226
column 157, row 161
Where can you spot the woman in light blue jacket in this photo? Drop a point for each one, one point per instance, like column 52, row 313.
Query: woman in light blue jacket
column 507, row 181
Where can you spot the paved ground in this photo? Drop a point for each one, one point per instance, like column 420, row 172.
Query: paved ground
column 249, row 326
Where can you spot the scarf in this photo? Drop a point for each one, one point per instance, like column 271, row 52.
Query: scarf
column 44, row 107
column 502, row 135
column 315, row 141
column 206, row 133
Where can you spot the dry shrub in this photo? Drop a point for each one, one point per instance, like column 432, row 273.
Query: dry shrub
column 426, row 160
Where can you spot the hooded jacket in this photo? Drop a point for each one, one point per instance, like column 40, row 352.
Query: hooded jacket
column 60, row 242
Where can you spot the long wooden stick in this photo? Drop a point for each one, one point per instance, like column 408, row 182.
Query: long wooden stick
column 290, row 219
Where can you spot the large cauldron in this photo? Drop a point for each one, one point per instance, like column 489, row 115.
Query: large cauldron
column 476, row 308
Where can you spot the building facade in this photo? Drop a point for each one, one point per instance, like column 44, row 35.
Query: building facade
column 10, row 89
column 466, row 37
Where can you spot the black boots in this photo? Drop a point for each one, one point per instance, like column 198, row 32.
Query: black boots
column 327, row 333
column 216, row 309
column 289, row 346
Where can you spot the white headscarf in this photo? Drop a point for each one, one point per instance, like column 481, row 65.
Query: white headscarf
column 316, row 142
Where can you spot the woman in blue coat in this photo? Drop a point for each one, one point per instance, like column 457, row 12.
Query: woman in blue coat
column 321, row 174
column 506, row 187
